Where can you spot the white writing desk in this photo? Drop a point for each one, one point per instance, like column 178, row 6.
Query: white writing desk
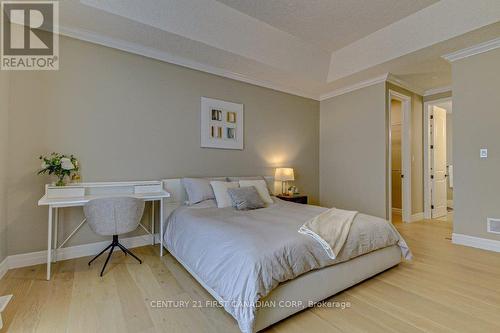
column 76, row 195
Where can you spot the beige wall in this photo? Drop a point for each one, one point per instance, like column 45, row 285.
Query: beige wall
column 353, row 144
column 476, row 117
column 4, row 107
column 354, row 150
column 417, row 163
column 130, row 118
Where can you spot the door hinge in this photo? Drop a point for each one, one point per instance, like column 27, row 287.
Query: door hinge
column 432, row 206
column 432, row 176
column 432, row 116
column 432, row 146
column 402, row 176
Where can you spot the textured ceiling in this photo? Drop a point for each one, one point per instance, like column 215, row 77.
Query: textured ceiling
column 330, row 24
column 210, row 36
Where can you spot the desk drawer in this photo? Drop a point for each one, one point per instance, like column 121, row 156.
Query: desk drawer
column 147, row 188
column 65, row 192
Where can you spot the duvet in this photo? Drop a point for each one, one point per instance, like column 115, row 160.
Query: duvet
column 241, row 256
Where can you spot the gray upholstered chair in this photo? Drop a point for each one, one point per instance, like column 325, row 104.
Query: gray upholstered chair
column 113, row 217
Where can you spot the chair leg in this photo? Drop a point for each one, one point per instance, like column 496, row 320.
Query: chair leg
column 116, row 243
column 124, row 249
column 112, row 246
column 107, row 259
column 97, row 256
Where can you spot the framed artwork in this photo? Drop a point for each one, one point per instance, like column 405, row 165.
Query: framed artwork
column 221, row 124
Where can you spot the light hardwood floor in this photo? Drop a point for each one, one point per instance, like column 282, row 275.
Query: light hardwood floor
column 446, row 288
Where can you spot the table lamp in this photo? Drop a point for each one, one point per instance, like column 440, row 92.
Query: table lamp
column 284, row 175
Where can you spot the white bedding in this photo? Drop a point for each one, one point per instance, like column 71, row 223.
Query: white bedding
column 330, row 229
column 243, row 255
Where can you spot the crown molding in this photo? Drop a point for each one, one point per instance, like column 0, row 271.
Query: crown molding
column 473, row 50
column 387, row 77
column 353, row 87
column 405, row 85
column 152, row 53
column 148, row 52
column 437, row 91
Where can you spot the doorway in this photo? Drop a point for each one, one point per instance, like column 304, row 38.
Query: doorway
column 438, row 159
column 399, row 162
column 396, row 158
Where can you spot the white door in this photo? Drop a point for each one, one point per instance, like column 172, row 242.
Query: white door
column 438, row 163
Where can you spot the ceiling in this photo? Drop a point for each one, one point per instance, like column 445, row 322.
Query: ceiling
column 329, row 23
column 305, row 47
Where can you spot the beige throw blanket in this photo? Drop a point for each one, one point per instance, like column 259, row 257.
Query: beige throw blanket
column 330, row 229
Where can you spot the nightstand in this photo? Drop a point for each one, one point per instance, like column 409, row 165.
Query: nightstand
column 297, row 198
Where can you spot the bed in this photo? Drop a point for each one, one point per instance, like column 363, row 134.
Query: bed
column 259, row 267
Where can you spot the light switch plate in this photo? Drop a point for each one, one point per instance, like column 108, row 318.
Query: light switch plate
column 483, row 153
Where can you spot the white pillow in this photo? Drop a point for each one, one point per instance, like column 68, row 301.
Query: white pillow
column 261, row 187
column 220, row 190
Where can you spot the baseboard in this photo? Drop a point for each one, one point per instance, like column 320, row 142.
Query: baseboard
column 417, row 217
column 413, row 218
column 77, row 251
column 4, row 267
column 477, row 242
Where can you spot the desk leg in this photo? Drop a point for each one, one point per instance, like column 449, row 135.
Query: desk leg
column 161, row 228
column 153, row 222
column 49, row 242
column 56, row 227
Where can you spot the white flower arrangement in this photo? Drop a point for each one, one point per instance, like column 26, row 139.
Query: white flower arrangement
column 59, row 165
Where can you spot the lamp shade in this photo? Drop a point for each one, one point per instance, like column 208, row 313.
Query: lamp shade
column 284, row 174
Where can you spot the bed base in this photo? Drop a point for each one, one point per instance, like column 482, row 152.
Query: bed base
column 321, row 284
column 316, row 285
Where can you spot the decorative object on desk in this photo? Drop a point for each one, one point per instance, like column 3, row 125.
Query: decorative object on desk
column 284, row 175
column 59, row 165
column 221, row 124
column 76, row 177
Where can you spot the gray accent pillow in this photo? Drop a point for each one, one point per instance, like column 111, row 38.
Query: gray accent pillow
column 245, row 198
column 198, row 189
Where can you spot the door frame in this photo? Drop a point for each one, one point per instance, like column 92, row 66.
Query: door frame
column 405, row 154
column 427, row 157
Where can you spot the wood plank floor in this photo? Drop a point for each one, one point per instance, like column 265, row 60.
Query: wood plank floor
column 446, row 288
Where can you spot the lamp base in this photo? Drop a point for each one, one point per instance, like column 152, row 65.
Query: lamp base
column 283, row 186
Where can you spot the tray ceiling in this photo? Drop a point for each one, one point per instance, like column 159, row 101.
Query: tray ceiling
column 329, row 23
column 307, row 48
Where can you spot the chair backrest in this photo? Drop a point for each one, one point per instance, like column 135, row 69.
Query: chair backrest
column 114, row 216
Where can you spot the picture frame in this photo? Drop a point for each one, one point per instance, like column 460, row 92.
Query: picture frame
column 222, row 125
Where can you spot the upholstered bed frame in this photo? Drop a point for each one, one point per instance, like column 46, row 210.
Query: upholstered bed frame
column 306, row 289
